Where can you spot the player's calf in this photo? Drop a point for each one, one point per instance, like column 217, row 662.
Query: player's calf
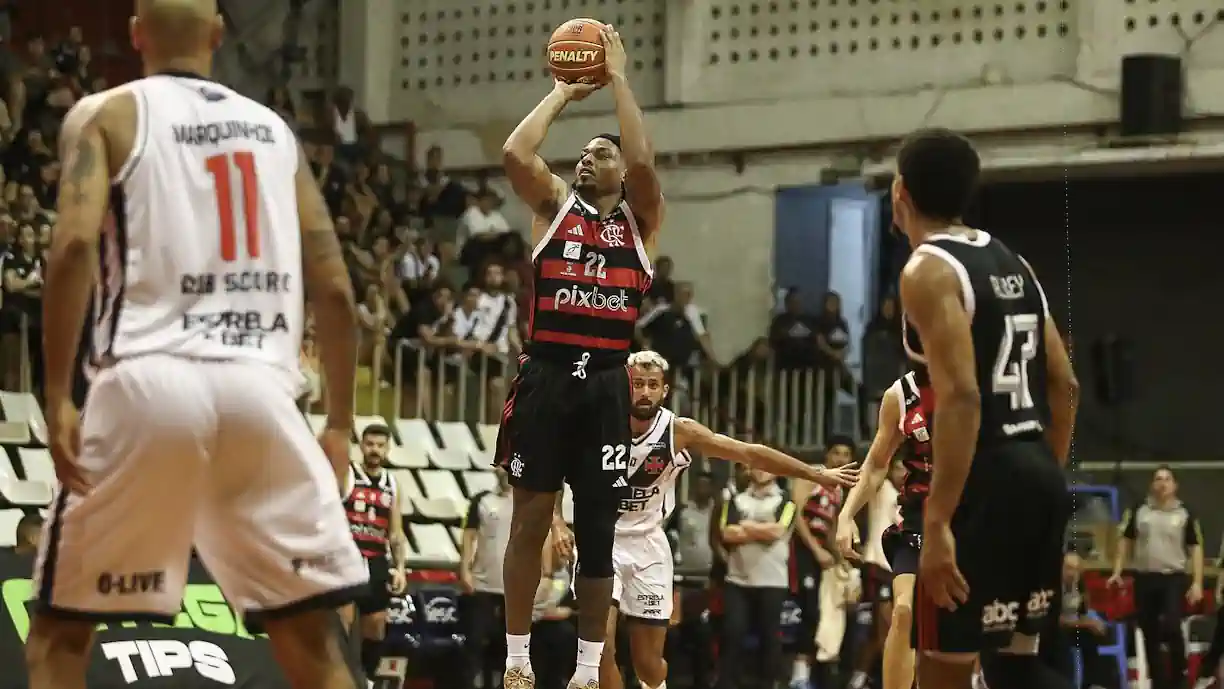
column 646, row 645
column 373, row 634
column 530, row 522
column 308, row 648
column 57, row 652
column 1017, row 667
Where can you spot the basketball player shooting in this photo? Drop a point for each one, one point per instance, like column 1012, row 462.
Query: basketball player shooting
column 642, row 556
column 1005, row 399
column 567, row 412
column 216, row 225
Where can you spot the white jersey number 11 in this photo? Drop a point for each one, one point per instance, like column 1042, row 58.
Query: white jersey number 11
column 219, row 166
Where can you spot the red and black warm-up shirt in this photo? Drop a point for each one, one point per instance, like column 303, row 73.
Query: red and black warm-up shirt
column 917, row 409
column 369, row 505
column 590, row 274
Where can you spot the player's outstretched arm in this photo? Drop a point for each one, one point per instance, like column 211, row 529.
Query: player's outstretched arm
column 931, row 293
column 84, row 199
column 887, row 441
column 691, row 435
column 642, row 189
column 529, row 175
column 330, row 292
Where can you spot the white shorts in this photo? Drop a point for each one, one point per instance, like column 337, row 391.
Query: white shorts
column 642, row 576
column 211, row 454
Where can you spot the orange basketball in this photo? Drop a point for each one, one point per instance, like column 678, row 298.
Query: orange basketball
column 576, row 52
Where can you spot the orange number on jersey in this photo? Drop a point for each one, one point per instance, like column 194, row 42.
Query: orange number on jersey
column 219, row 168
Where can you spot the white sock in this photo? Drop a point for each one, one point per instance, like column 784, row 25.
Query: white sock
column 858, row 680
column 662, row 685
column 587, row 670
column 518, row 651
column 800, row 672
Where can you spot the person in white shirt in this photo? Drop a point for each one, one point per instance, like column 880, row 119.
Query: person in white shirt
column 482, row 220
column 199, row 275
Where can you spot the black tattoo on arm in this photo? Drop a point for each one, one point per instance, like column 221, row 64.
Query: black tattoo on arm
column 82, row 165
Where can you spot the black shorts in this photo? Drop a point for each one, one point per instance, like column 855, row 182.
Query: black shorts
column 1009, row 533
column 877, row 584
column 560, row 427
column 901, row 547
column 378, row 597
column 805, row 574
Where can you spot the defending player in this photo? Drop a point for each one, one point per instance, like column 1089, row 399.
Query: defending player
column 642, row 556
column 904, row 414
column 216, row 227
column 1005, row 399
column 566, row 417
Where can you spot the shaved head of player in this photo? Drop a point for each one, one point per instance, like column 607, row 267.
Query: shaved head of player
column 1003, row 408
column 178, row 33
column 212, row 192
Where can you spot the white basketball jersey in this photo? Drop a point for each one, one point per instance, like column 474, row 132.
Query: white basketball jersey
column 881, row 514
column 654, row 468
column 203, row 258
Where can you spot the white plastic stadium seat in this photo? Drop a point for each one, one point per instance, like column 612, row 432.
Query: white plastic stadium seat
column 441, row 485
column 416, row 443
column 477, row 481
column 14, row 433
column 37, row 465
column 434, row 542
column 408, row 491
column 488, row 436
column 457, row 536
column 8, row 527
column 451, row 460
column 457, row 436
column 430, row 507
column 22, row 493
column 355, row 455
column 23, row 408
column 317, row 422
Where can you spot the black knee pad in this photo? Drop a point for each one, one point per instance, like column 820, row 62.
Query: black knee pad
column 1013, row 671
column 594, row 531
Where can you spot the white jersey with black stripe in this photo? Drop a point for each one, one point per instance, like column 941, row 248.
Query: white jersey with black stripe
column 202, row 255
column 654, row 468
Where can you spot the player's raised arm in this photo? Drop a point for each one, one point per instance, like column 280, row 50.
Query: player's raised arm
column 330, row 292
column 931, row 293
column 1062, row 385
column 887, row 441
column 691, row 435
column 529, row 175
column 84, row 199
column 642, row 189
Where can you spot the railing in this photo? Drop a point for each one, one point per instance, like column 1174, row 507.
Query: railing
column 789, row 408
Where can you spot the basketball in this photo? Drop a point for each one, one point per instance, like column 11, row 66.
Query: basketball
column 576, row 52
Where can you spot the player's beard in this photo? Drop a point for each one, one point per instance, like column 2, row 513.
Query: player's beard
column 642, row 412
column 373, row 463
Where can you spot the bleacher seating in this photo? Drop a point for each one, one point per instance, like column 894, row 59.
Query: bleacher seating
column 439, row 467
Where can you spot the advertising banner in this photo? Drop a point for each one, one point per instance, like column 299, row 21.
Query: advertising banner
column 207, row 646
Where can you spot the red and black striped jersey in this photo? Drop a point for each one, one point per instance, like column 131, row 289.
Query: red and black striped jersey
column 913, row 391
column 820, row 512
column 369, row 505
column 590, row 275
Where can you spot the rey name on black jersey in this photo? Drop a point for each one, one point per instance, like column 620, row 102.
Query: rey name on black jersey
column 1008, row 310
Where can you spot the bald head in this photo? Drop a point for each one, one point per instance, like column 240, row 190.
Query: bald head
column 176, row 28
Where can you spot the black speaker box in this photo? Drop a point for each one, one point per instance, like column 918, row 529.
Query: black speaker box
column 1151, row 95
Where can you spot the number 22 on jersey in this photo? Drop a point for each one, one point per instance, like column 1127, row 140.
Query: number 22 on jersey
column 221, row 168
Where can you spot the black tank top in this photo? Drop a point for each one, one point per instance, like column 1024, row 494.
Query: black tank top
column 1008, row 310
column 590, row 275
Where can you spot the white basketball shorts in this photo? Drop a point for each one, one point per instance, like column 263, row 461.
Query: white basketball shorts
column 642, row 578
column 181, row 452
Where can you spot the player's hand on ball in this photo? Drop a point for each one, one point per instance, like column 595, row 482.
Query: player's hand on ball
column 614, row 52
column 64, row 429
column 575, row 91
column 845, row 476
column 937, row 568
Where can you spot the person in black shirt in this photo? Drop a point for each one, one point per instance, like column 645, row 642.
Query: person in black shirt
column 46, row 187
column 420, row 334
column 832, row 333
column 663, row 287
column 793, row 334
column 1005, row 399
column 22, row 282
